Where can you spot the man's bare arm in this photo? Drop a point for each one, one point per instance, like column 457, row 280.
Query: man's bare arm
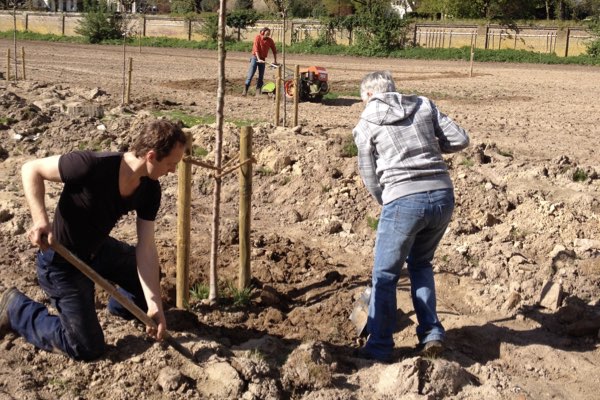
column 34, row 174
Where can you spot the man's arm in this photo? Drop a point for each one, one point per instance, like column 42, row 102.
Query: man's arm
column 34, row 174
column 367, row 165
column 451, row 136
column 149, row 274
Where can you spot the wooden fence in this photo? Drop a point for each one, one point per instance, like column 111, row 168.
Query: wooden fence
column 563, row 42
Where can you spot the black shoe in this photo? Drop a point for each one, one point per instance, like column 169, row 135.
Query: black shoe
column 432, row 349
column 364, row 353
column 5, row 300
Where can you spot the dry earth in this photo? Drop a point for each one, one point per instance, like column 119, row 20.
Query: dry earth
column 518, row 272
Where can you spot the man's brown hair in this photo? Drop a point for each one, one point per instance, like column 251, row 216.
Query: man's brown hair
column 160, row 136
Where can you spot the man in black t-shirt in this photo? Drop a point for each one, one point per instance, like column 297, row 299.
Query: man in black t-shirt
column 98, row 189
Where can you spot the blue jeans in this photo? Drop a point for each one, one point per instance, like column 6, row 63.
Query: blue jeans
column 254, row 65
column 76, row 330
column 410, row 229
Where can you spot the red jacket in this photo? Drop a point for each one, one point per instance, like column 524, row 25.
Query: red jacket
column 261, row 46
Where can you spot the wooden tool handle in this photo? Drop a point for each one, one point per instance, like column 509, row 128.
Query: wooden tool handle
column 96, row 278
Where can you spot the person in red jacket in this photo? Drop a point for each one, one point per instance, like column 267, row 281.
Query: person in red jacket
column 260, row 51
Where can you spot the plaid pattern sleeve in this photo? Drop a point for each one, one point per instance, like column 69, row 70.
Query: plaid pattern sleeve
column 451, row 137
column 367, row 160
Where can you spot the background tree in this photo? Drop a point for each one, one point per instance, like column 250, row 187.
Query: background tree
column 379, row 28
column 241, row 19
column 100, row 22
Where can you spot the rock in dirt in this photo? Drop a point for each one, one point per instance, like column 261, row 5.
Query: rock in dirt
column 307, row 367
column 169, row 379
column 551, row 296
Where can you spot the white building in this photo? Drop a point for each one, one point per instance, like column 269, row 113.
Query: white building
column 402, row 7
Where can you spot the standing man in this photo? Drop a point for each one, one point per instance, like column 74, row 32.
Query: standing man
column 98, row 189
column 260, row 51
column 400, row 142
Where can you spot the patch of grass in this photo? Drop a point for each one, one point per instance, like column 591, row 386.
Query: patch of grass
column 243, row 122
column 186, row 119
column 579, row 175
column 505, row 153
column 264, row 171
column 372, row 222
column 240, row 297
column 331, row 96
column 467, row 162
column 7, row 120
column 200, row 291
column 199, row 152
column 349, row 148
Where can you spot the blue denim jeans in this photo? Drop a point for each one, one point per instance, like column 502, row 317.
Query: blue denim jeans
column 254, row 65
column 410, row 229
column 76, row 330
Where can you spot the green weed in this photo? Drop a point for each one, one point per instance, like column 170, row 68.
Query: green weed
column 349, row 148
column 240, row 297
column 467, row 162
column 372, row 222
column 199, row 291
column 579, row 175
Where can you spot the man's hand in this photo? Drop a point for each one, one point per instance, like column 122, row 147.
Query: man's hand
column 258, row 60
column 157, row 333
column 40, row 235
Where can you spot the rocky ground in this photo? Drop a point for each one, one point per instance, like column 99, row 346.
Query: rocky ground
column 517, row 273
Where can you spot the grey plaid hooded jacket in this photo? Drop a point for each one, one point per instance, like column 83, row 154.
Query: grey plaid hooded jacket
column 400, row 142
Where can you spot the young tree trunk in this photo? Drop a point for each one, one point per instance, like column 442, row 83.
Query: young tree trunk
column 213, row 289
column 15, row 40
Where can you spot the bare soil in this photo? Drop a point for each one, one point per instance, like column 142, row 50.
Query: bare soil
column 517, row 273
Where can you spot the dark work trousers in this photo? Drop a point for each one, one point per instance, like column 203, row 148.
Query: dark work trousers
column 76, row 330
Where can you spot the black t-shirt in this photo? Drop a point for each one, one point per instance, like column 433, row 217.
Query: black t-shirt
column 90, row 204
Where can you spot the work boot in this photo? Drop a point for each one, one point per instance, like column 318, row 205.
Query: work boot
column 258, row 92
column 7, row 297
column 245, row 92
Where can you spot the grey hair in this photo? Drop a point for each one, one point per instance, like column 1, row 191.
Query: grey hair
column 376, row 82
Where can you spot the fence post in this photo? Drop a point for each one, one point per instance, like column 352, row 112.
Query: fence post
column 567, row 42
column 184, row 193
column 487, row 34
column 63, row 25
column 415, row 35
column 245, row 206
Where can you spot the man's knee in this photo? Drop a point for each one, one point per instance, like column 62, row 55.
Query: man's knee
column 86, row 346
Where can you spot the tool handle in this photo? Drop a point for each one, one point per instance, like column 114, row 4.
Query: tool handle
column 122, row 299
column 99, row 280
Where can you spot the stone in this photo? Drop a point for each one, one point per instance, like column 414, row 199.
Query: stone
column 551, row 296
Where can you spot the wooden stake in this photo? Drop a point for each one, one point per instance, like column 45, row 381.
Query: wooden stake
column 245, row 206
column 277, row 96
column 128, row 95
column 184, row 188
column 296, row 93
column 23, row 59
column 471, row 64
column 8, row 65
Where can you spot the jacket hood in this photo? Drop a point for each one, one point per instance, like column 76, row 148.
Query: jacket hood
column 389, row 108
